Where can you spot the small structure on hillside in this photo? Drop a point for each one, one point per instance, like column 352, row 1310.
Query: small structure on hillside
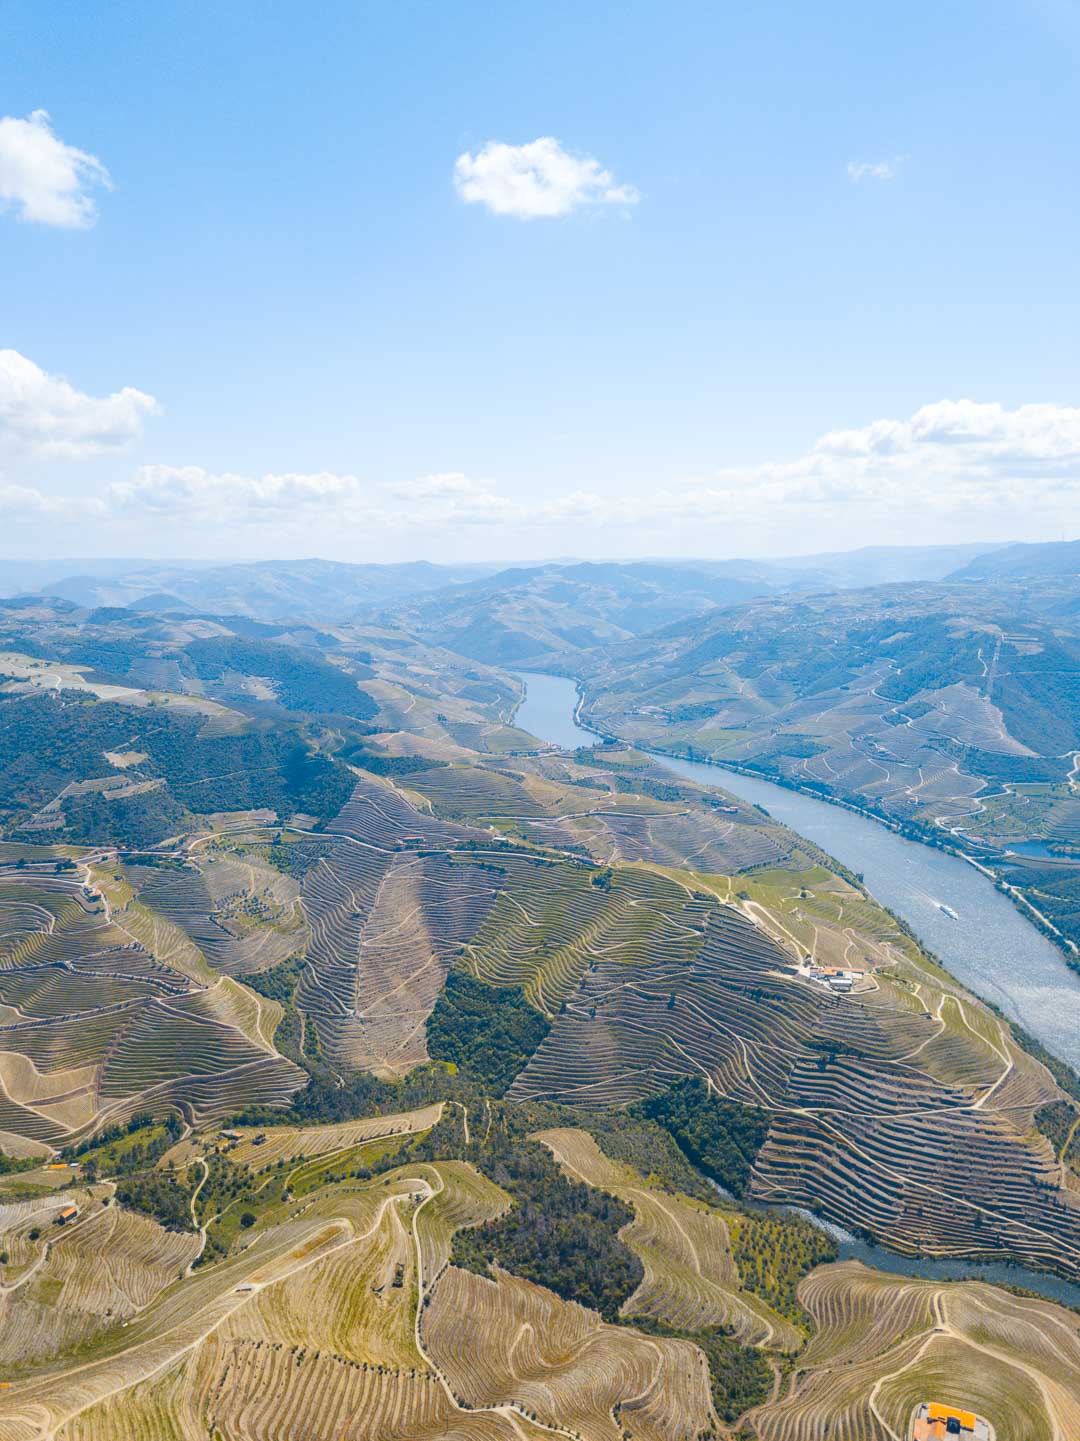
column 936, row 1421
column 67, row 1213
column 836, row 978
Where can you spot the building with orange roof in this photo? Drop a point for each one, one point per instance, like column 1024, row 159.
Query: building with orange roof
column 938, row 1421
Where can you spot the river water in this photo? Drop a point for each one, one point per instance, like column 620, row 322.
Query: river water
column 990, row 948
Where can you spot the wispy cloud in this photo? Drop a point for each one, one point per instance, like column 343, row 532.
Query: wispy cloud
column 953, row 467
column 43, row 179
column 536, row 180
column 47, row 416
column 26, row 500
column 193, row 493
column 858, row 170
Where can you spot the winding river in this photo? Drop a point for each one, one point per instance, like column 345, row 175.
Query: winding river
column 989, row 947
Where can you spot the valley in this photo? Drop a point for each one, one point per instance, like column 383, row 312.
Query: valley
column 346, row 1005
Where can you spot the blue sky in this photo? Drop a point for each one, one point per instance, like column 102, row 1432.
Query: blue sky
column 733, row 340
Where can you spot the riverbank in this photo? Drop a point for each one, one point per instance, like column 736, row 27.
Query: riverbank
column 952, row 907
column 919, row 835
column 916, row 834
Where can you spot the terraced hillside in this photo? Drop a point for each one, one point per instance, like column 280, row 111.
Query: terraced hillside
column 878, row 1345
column 646, row 971
column 883, row 1344
column 877, row 1098
column 336, row 1320
column 106, row 1008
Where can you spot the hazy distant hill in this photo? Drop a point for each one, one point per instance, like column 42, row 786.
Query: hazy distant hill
column 636, row 595
column 529, row 616
column 882, row 564
column 322, row 590
column 19, row 576
column 1017, row 562
column 525, row 616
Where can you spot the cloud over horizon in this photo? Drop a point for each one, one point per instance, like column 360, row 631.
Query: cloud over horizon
column 44, row 180
column 537, row 180
column 960, row 463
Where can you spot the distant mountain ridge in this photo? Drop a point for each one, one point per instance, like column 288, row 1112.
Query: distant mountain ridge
column 1022, row 561
column 533, row 615
column 638, row 595
column 322, row 590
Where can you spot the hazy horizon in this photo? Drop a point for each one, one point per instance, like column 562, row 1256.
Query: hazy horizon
column 493, row 563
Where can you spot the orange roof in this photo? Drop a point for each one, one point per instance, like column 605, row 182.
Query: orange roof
column 69, row 1211
column 938, row 1412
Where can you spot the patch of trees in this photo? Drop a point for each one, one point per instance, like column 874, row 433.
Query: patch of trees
column 558, row 1233
column 1039, row 695
column 773, row 1252
column 55, row 738
column 1057, row 1122
column 302, row 679
column 133, row 821
column 739, row 1376
column 12, row 1165
column 643, row 1144
column 384, row 765
column 160, row 1194
column 354, row 1095
column 296, row 857
column 1055, row 890
column 279, row 984
column 1025, row 770
column 488, row 1032
column 719, row 1137
column 124, row 1150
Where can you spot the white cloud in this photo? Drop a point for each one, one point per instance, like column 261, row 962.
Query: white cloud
column 872, row 169
column 535, row 180
column 451, row 498
column 953, row 469
column 191, row 492
column 959, row 458
column 45, row 180
column 44, row 414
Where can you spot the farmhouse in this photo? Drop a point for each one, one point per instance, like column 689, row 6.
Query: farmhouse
column 66, row 1214
column 835, row 977
column 934, row 1421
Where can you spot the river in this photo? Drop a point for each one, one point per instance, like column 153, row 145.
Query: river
column 990, row 947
